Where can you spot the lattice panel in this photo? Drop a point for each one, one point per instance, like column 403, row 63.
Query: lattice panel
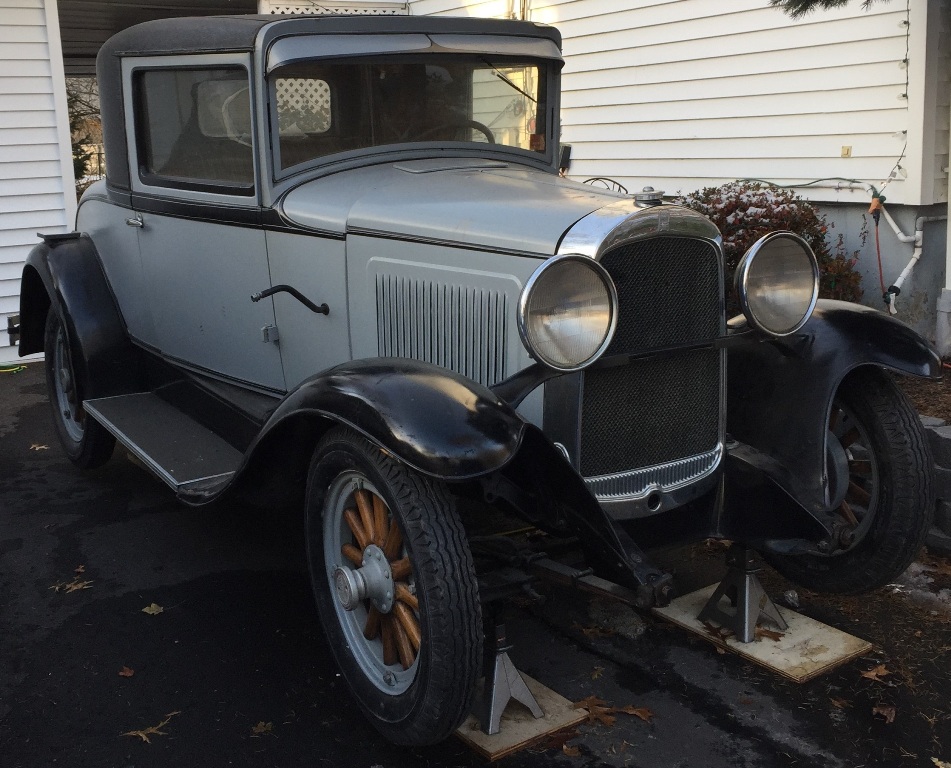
column 304, row 102
column 310, row 9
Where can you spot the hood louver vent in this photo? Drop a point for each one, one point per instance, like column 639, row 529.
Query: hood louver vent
column 460, row 328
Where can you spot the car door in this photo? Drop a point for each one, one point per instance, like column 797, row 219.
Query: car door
column 195, row 197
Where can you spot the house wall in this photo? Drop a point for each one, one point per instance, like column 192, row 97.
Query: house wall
column 36, row 175
column 686, row 94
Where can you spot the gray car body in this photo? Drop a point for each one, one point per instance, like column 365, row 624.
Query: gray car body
column 419, row 251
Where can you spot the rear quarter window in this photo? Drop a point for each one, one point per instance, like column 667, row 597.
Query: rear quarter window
column 194, row 128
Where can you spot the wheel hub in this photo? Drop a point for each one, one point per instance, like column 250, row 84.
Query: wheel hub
column 373, row 581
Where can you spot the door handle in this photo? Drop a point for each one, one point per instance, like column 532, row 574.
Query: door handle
column 135, row 221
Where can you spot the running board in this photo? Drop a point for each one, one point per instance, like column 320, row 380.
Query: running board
column 179, row 450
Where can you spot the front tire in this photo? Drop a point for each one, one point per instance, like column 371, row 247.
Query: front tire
column 395, row 588
column 889, row 506
column 87, row 443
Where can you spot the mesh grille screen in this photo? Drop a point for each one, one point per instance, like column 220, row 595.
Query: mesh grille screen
column 649, row 412
column 668, row 291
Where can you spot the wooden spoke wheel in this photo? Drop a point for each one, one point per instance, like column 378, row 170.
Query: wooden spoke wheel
column 378, row 576
column 395, row 587
column 885, row 471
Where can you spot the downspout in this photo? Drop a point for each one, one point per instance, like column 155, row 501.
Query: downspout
column 918, row 239
column 943, row 324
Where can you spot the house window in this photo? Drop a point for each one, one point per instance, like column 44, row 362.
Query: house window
column 195, row 129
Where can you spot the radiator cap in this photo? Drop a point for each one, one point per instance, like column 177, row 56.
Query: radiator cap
column 648, row 196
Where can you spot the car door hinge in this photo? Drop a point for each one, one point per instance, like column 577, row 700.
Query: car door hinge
column 269, row 333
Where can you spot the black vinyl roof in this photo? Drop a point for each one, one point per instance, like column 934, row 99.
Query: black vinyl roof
column 228, row 34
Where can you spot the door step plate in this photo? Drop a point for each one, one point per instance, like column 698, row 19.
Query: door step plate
column 179, row 450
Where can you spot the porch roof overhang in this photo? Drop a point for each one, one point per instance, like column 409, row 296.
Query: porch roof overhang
column 86, row 24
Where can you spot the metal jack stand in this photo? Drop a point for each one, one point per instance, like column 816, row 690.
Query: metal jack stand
column 747, row 596
column 502, row 681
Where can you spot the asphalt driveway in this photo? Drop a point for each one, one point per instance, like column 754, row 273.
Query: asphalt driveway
column 233, row 670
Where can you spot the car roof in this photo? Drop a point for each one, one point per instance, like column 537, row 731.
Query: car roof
column 232, row 34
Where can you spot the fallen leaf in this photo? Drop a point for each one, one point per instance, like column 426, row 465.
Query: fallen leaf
column 154, row 730
column 80, row 569
column 598, row 671
column 126, row 672
column 590, row 701
column 71, row 586
column 720, row 633
column 884, row 711
column 642, row 712
column 599, row 711
column 768, row 633
column 153, row 609
column 38, row 447
column 940, row 763
column 877, row 673
column 840, row 703
column 571, row 751
column 262, row 728
column 718, row 649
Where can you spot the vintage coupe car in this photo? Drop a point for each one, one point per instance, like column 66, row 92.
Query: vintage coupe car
column 333, row 263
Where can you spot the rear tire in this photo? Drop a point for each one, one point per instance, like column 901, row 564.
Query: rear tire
column 890, row 502
column 395, row 588
column 87, row 443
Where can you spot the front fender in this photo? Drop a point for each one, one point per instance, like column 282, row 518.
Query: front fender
column 437, row 422
column 780, row 391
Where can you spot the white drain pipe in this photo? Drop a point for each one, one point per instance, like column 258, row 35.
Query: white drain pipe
column 918, row 239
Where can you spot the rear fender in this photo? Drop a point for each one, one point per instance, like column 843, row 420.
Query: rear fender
column 64, row 272
column 780, row 391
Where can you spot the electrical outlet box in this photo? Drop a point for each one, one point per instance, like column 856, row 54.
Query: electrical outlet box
column 846, row 151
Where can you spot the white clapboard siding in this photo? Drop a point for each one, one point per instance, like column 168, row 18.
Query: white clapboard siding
column 36, row 184
column 681, row 94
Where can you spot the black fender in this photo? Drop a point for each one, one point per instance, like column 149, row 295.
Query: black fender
column 433, row 420
column 64, row 272
column 780, row 390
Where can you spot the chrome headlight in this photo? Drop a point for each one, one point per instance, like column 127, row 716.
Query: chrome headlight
column 777, row 282
column 567, row 312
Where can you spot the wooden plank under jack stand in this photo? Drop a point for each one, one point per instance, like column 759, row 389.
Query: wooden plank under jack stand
column 514, row 710
column 519, row 729
column 805, row 650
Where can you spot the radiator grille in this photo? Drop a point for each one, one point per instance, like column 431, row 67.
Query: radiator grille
column 456, row 327
column 669, row 293
column 650, row 412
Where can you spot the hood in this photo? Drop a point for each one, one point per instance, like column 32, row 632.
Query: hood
column 478, row 203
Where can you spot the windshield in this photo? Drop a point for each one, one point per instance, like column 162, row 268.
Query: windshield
column 326, row 107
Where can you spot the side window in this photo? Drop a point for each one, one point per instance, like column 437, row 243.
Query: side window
column 194, row 129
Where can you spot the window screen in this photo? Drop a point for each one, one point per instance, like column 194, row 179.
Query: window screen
column 195, row 127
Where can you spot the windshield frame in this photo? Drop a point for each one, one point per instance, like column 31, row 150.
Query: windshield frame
column 548, row 74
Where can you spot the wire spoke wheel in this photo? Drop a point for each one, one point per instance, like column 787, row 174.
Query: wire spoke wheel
column 395, row 588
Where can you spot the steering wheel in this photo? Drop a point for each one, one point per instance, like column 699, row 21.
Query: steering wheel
column 483, row 129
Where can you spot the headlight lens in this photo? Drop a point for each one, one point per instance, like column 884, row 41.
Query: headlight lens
column 777, row 282
column 568, row 312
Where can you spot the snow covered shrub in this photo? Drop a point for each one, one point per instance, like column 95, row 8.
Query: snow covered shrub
column 745, row 211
